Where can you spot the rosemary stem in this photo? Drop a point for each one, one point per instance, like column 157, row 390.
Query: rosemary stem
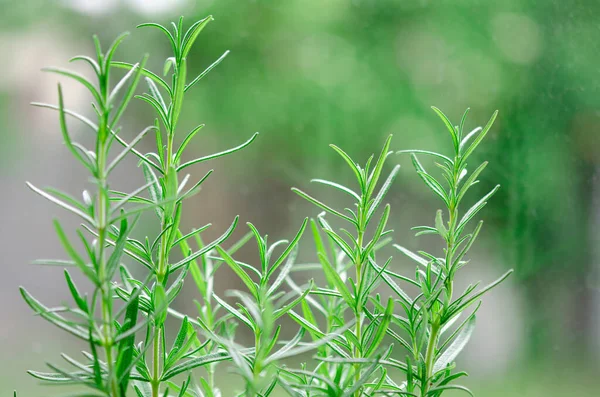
column 429, row 357
column 156, row 362
column 163, row 260
column 358, row 311
column 105, row 287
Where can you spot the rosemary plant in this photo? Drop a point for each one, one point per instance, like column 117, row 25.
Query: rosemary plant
column 358, row 348
column 259, row 309
column 351, row 327
column 109, row 216
column 112, row 331
column 356, row 362
column 434, row 343
column 164, row 182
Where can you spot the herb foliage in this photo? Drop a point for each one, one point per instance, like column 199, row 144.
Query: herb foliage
column 361, row 338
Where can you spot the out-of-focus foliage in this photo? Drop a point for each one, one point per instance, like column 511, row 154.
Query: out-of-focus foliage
column 310, row 72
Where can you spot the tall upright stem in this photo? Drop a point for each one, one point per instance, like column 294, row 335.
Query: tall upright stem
column 171, row 184
column 358, row 311
column 156, row 362
column 448, row 282
column 105, row 282
column 429, row 358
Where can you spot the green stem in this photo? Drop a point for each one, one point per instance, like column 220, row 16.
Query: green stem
column 156, row 362
column 163, row 259
column 105, row 282
column 450, row 242
column 358, row 311
column 429, row 357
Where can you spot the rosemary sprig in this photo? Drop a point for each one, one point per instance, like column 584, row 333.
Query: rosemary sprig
column 430, row 317
column 167, row 188
column 112, row 332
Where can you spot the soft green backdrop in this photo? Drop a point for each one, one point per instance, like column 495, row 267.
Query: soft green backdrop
column 306, row 73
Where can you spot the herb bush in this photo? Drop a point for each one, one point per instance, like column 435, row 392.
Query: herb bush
column 363, row 342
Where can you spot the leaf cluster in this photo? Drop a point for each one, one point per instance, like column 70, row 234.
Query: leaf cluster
column 364, row 343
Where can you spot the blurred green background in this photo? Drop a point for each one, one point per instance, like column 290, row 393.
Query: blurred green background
column 306, row 73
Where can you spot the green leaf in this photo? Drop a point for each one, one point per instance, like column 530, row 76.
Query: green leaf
column 412, row 255
column 127, row 345
column 382, row 329
column 427, row 152
column 178, row 91
column 206, row 248
column 285, row 271
column 205, row 72
column 323, row 206
column 65, row 133
column 479, row 137
column 320, row 247
column 235, row 313
column 449, row 126
column 288, row 249
column 471, row 181
column 143, row 158
column 79, row 300
column 296, row 351
column 185, row 142
column 182, row 343
column 90, row 61
column 435, row 186
column 142, row 389
column 474, row 210
column 81, row 264
column 144, row 72
column 192, row 34
column 338, row 187
column 391, row 283
column 71, row 113
column 382, row 192
column 286, row 308
column 458, row 307
column 353, row 166
column 193, row 233
column 338, row 240
column 72, row 205
column 262, row 247
column 157, row 107
column 239, row 271
column 169, row 62
column 439, row 224
column 368, row 250
column 155, row 93
column 194, row 189
column 156, row 194
column 130, row 91
column 459, row 343
column 216, row 155
column 128, row 148
column 461, row 126
column 165, row 31
column 468, row 246
column 112, row 49
column 334, row 278
column 119, row 247
column 79, row 78
column 430, row 181
column 374, row 177
column 52, row 317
